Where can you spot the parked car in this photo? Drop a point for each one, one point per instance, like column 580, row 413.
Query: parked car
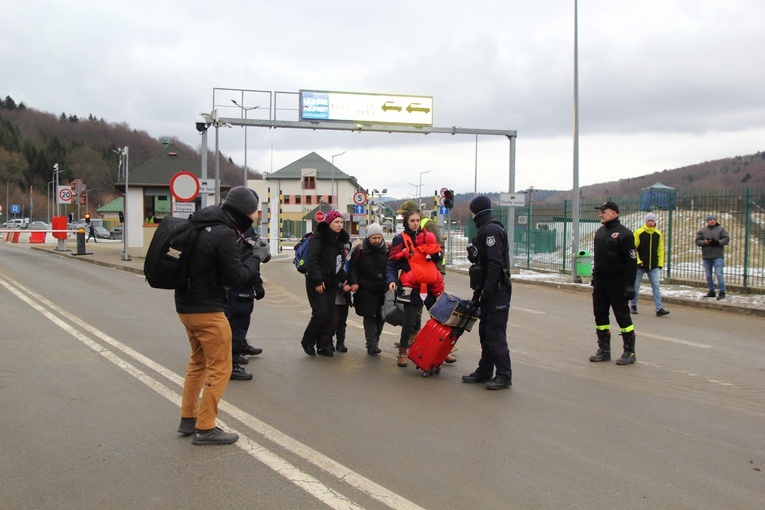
column 38, row 225
column 102, row 233
column 15, row 223
column 117, row 232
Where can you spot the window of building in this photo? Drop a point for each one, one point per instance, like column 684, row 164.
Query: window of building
column 287, row 199
column 297, row 199
column 309, row 182
column 308, row 199
column 156, row 204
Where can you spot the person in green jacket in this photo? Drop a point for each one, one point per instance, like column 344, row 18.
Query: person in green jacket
column 649, row 242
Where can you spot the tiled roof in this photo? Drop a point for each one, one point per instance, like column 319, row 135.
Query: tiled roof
column 160, row 169
column 312, row 160
column 113, row 206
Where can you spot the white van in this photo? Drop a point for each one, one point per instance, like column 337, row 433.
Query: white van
column 15, row 223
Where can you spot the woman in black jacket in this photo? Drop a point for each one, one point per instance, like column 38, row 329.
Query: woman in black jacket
column 367, row 280
column 325, row 273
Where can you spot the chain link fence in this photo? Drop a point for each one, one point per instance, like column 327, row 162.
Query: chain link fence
column 543, row 233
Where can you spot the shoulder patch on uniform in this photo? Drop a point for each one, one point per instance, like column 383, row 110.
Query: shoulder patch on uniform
column 633, row 254
column 490, row 241
column 615, row 235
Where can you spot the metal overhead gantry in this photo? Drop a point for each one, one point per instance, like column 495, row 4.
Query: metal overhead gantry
column 282, row 104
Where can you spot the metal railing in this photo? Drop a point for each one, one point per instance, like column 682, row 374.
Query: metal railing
column 543, row 233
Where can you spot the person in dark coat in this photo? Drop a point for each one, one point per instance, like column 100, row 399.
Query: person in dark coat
column 92, row 233
column 367, row 280
column 325, row 272
column 241, row 302
column 490, row 279
column 613, row 283
column 216, row 263
column 342, row 306
column 712, row 240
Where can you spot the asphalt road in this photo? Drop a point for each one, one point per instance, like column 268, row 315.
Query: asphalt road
column 93, row 362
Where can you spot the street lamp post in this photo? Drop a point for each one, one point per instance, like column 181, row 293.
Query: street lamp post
column 334, row 202
column 245, row 109
column 124, row 168
column 419, row 189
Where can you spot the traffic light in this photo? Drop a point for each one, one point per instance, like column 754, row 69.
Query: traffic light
column 122, row 217
column 71, row 217
column 449, row 198
column 87, row 217
column 83, row 199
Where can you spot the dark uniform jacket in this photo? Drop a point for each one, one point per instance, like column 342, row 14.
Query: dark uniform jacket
column 322, row 257
column 491, row 242
column 614, row 254
column 216, row 263
column 366, row 268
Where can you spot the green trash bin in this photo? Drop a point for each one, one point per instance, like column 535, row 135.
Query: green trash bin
column 583, row 263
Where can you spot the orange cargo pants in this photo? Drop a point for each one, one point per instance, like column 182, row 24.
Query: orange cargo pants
column 209, row 367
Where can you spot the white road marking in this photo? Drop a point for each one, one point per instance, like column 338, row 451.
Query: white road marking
column 673, row 340
column 303, row 480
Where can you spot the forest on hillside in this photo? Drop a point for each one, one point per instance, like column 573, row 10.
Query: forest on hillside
column 31, row 142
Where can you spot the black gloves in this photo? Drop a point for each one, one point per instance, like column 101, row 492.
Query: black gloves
column 629, row 292
column 714, row 242
column 260, row 292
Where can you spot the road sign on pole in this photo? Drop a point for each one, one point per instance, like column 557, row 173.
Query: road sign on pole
column 184, row 186
column 319, row 215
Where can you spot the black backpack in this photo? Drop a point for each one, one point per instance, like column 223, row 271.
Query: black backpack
column 169, row 255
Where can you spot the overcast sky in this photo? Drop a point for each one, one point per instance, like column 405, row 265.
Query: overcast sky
column 662, row 83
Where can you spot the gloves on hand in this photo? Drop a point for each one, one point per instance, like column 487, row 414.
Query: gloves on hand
column 260, row 292
column 629, row 292
column 714, row 242
column 641, row 265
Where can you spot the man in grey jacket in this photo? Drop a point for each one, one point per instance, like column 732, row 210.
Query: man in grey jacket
column 712, row 239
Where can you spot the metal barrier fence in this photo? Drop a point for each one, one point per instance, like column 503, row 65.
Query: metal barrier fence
column 543, row 233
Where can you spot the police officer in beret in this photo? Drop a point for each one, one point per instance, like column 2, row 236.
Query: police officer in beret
column 613, row 282
column 490, row 277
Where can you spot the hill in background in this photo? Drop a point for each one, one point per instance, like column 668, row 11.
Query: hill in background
column 31, row 142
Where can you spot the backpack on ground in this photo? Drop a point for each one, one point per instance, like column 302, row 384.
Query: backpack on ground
column 301, row 253
column 169, row 255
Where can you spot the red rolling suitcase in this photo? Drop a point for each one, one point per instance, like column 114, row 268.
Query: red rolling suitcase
column 431, row 346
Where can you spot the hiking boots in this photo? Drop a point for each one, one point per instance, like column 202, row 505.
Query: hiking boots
column 499, row 383
column 340, row 347
column 187, row 426
column 633, row 309
column 628, row 356
column 401, row 361
column 711, row 293
column 372, row 348
column 240, row 374
column 604, row 347
column 475, row 377
column 214, row 436
column 721, row 295
column 251, row 351
column 661, row 312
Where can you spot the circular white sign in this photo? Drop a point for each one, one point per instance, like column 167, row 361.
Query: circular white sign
column 359, row 198
column 65, row 195
column 184, row 186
